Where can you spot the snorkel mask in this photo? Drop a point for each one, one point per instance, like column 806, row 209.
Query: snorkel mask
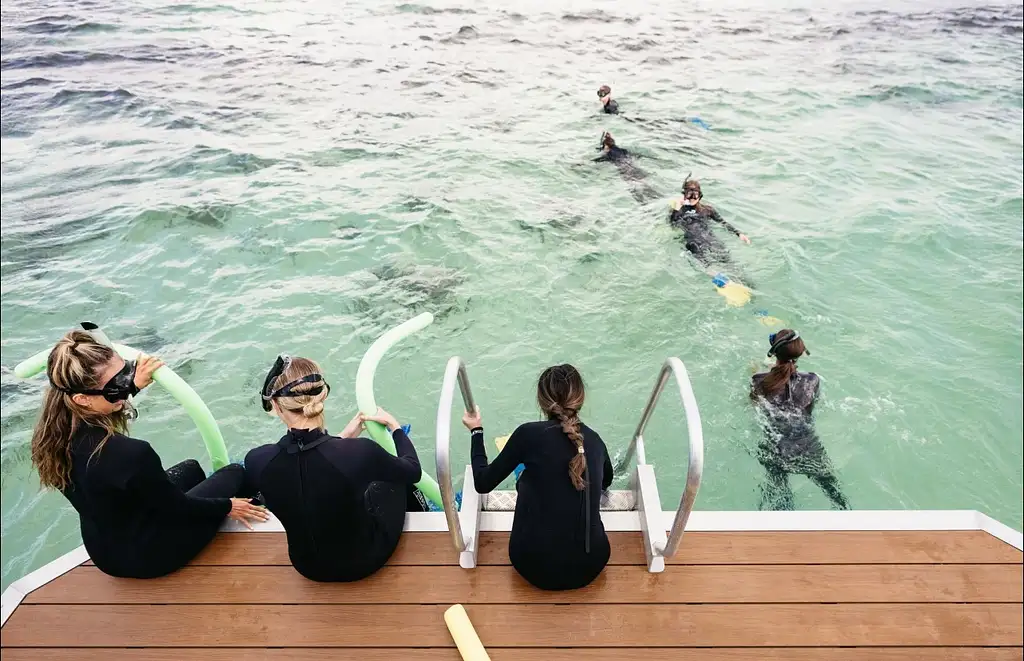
column 603, row 91
column 120, row 387
column 777, row 342
column 280, row 365
column 604, row 136
column 690, row 187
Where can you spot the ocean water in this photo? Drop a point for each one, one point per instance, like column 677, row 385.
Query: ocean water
column 218, row 183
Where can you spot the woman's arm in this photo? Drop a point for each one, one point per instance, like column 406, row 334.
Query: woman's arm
column 717, row 217
column 487, row 477
column 609, row 471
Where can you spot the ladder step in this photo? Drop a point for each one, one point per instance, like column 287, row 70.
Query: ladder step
column 611, row 501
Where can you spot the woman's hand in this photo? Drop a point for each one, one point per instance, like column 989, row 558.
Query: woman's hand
column 246, row 513
column 472, row 419
column 382, row 417
column 144, row 368
column 745, row 239
column 354, row 427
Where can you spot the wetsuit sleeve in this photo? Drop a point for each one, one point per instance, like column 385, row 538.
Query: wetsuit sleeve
column 602, row 157
column 717, row 217
column 150, row 485
column 486, row 477
column 403, row 469
column 609, row 471
column 814, row 395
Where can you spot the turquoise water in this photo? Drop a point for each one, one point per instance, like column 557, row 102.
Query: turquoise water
column 220, row 183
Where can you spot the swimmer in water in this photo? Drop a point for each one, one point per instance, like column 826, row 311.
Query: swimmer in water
column 608, row 104
column 691, row 215
column 785, row 398
column 623, row 159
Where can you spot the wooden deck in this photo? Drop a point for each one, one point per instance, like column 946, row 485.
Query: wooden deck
column 736, row 596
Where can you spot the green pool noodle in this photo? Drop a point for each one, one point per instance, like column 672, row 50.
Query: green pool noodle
column 368, row 405
column 175, row 385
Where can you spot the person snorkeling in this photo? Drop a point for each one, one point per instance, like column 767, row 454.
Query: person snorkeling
column 785, row 399
column 608, row 105
column 691, row 215
column 624, row 160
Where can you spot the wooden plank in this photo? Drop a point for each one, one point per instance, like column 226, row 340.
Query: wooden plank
column 520, row 654
column 503, row 585
column 699, row 548
column 577, row 625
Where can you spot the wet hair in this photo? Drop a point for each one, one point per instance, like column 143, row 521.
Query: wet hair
column 691, row 184
column 603, row 91
column 560, row 394
column 308, row 406
column 77, row 362
column 786, row 354
column 607, row 141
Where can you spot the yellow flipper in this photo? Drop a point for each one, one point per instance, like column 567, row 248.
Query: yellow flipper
column 734, row 293
column 464, row 634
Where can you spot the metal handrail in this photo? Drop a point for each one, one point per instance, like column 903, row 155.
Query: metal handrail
column 695, row 431
column 456, row 370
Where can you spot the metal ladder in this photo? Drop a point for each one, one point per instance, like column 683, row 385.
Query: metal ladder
column 464, row 525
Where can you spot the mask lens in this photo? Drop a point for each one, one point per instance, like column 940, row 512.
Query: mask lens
column 771, row 338
column 119, row 387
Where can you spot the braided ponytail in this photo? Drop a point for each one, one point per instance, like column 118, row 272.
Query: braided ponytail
column 571, row 426
column 560, row 394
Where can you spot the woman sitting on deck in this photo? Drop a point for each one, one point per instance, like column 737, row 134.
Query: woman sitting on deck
column 785, row 397
column 558, row 541
column 137, row 521
column 342, row 499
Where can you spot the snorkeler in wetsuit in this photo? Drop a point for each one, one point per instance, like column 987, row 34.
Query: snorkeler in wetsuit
column 608, row 105
column 692, row 216
column 785, row 398
column 623, row 159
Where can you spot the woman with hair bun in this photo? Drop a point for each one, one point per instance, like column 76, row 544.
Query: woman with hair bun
column 342, row 499
column 558, row 541
column 785, row 397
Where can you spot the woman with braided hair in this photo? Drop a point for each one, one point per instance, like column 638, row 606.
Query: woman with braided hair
column 785, row 398
column 558, row 541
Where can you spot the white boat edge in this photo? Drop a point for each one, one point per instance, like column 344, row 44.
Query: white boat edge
column 805, row 521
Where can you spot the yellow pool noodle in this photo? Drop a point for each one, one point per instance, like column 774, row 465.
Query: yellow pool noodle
column 464, row 634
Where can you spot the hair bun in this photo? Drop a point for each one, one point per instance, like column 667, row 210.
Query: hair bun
column 313, row 409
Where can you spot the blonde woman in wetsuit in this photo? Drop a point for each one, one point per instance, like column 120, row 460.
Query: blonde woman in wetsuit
column 785, row 397
column 137, row 521
column 558, row 541
column 342, row 499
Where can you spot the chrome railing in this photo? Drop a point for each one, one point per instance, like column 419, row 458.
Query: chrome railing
column 455, row 371
column 695, row 469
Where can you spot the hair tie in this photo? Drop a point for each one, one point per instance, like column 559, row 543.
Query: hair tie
column 580, row 450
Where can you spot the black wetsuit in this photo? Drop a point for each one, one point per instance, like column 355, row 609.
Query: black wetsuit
column 548, row 546
column 611, row 108
column 790, row 444
column 136, row 522
column 697, row 233
column 623, row 159
column 342, row 501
